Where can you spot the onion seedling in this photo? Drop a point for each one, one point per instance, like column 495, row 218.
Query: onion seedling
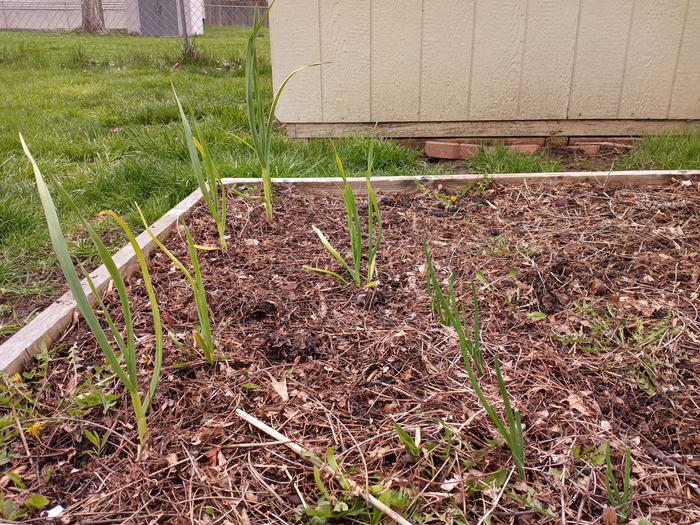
column 208, row 177
column 447, row 309
column 260, row 126
column 125, row 345
column 510, row 428
column 202, row 337
column 619, row 499
column 374, row 231
column 451, row 313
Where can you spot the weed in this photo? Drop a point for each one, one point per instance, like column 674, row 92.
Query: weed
column 451, row 199
column 619, row 499
column 331, row 507
column 412, row 445
column 606, row 330
column 8, row 329
column 10, row 510
column 99, row 442
column 355, row 230
column 202, row 337
column 128, row 377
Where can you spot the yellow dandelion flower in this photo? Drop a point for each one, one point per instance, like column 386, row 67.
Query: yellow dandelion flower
column 36, row 429
column 17, row 378
column 453, row 198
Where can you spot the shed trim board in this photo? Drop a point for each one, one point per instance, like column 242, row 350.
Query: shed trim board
column 475, row 63
column 497, row 128
column 49, row 326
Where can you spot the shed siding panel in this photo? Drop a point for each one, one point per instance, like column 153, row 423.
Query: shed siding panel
column 480, row 60
column 445, row 68
column 548, row 57
column 395, row 68
column 654, row 42
column 292, row 47
column 685, row 98
column 345, row 40
column 600, row 58
column 498, row 52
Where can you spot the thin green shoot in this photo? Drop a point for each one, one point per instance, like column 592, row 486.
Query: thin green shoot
column 355, row 230
column 99, row 441
column 619, row 499
column 204, row 336
column 447, row 308
column 451, row 313
column 208, row 177
column 510, row 428
column 412, row 445
column 260, row 125
column 126, row 345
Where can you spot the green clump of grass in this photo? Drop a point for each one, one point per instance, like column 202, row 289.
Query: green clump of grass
column 671, row 151
column 500, row 159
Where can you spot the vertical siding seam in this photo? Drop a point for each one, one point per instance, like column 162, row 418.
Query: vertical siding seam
column 624, row 63
column 522, row 61
column 420, row 58
column 371, row 53
column 573, row 61
column 320, row 57
column 471, row 63
column 68, row 24
column 678, row 56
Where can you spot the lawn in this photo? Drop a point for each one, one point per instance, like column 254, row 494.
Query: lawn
column 99, row 115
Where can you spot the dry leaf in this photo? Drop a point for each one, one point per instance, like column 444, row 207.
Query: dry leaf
column 609, row 516
column 280, row 387
column 171, row 459
column 576, row 403
column 212, row 455
column 450, row 484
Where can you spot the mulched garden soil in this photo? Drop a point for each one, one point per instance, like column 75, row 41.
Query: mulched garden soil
column 588, row 296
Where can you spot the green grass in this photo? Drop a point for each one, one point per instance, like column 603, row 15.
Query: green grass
column 665, row 152
column 99, row 115
column 499, row 159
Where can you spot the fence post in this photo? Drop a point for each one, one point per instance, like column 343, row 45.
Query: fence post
column 4, row 15
column 183, row 24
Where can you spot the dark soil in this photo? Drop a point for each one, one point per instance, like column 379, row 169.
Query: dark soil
column 588, row 296
column 573, row 160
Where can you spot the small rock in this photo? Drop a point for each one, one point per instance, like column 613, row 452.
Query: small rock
column 598, row 287
column 562, row 202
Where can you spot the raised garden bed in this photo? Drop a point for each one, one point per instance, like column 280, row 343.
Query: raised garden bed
column 588, row 296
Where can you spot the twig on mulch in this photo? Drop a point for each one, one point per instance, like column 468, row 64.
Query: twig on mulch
column 680, row 467
column 298, row 449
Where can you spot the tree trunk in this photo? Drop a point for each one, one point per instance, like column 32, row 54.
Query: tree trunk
column 93, row 16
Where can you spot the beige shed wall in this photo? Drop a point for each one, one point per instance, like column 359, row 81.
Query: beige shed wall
column 479, row 60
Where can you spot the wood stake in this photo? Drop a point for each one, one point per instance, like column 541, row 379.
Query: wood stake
column 298, row 449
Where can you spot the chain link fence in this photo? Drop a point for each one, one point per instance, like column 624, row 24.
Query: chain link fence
column 184, row 18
